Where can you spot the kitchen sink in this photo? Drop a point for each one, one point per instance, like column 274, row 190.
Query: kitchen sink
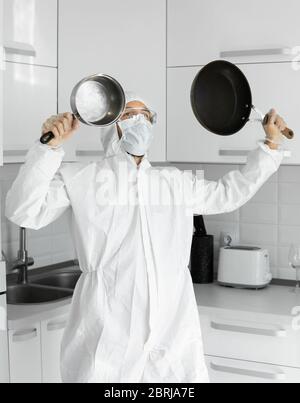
column 60, row 280
column 34, row 294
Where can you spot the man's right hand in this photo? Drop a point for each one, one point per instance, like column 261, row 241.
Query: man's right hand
column 63, row 126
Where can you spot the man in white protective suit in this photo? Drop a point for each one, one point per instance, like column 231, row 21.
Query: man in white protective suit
column 134, row 316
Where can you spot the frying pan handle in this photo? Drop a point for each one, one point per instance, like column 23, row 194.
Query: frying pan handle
column 47, row 137
column 288, row 133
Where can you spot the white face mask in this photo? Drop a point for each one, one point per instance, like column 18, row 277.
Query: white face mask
column 137, row 135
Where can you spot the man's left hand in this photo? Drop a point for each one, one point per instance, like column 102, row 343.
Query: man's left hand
column 274, row 125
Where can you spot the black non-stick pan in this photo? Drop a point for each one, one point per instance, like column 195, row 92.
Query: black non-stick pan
column 221, row 99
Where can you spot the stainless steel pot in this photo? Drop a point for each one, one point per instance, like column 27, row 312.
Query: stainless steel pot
column 98, row 100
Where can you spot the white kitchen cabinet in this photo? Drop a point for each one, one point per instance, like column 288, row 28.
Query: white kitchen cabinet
column 25, row 355
column 1, row 81
column 251, row 337
column 30, row 31
column 126, row 40
column 223, row 370
column 4, row 367
column 200, row 30
column 51, row 336
column 273, row 85
column 34, row 351
column 30, row 94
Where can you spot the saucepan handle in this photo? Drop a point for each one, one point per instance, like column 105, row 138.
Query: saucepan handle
column 47, row 137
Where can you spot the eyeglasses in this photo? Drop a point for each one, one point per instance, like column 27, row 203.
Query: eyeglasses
column 131, row 112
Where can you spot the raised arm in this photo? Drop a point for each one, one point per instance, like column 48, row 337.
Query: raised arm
column 238, row 187
column 38, row 195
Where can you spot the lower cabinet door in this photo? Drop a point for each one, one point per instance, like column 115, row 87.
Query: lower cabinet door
column 4, row 369
column 222, row 370
column 51, row 333
column 25, row 355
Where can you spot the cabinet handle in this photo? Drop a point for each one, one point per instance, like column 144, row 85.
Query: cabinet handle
column 278, row 376
column 20, row 48
column 244, row 153
column 25, row 335
column 233, row 153
column 89, row 153
column 256, row 52
column 248, row 330
column 54, row 326
column 14, row 153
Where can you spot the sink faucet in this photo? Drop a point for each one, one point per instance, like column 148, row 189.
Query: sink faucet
column 23, row 261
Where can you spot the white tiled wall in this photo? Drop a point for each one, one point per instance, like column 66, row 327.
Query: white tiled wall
column 52, row 244
column 271, row 219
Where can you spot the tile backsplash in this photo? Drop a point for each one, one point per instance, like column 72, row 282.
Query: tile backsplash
column 49, row 245
column 271, row 220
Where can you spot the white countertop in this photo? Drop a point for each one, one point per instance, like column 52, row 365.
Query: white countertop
column 23, row 315
column 274, row 300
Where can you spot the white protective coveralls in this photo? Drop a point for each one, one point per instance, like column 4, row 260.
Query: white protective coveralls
column 134, row 316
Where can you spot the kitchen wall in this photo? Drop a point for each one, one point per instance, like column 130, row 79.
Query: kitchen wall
column 49, row 245
column 271, row 219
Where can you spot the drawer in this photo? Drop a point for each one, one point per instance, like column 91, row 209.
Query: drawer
column 223, row 370
column 250, row 337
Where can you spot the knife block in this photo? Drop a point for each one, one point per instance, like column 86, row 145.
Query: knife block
column 202, row 254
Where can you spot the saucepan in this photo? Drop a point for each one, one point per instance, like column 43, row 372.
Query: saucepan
column 221, row 99
column 98, row 100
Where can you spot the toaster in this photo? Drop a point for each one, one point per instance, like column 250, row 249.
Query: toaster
column 244, row 267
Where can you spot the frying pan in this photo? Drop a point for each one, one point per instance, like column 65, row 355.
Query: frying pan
column 221, row 99
column 98, row 100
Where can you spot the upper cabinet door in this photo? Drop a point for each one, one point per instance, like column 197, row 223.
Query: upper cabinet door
column 1, row 82
column 30, row 94
column 124, row 39
column 30, row 31
column 273, row 85
column 200, row 31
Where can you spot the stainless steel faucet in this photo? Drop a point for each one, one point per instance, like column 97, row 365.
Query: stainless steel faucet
column 23, row 261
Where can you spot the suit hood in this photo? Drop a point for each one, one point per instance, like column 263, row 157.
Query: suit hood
column 110, row 141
